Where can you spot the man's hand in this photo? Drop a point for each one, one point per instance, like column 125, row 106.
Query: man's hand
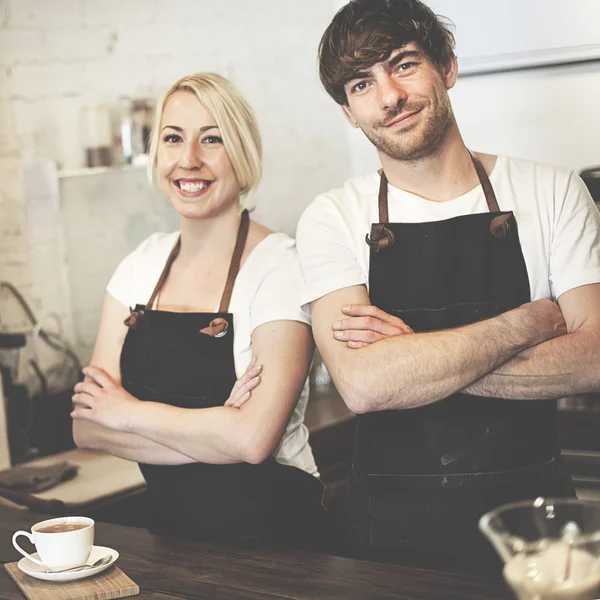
column 367, row 324
column 242, row 390
column 102, row 400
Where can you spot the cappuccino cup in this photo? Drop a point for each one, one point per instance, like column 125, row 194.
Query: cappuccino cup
column 61, row 543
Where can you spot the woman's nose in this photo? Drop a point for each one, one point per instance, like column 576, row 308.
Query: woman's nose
column 190, row 157
column 391, row 93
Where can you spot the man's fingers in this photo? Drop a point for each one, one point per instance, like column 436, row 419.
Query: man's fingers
column 356, row 345
column 358, row 335
column 366, row 310
column 370, row 324
column 376, row 314
column 359, row 310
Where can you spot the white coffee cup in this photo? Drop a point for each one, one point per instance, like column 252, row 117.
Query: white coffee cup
column 61, row 543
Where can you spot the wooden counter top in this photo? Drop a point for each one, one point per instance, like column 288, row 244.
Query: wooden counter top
column 172, row 569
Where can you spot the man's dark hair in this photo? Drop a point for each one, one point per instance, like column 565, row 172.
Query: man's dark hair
column 365, row 32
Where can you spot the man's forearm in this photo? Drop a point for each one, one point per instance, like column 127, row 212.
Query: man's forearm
column 125, row 445
column 564, row 366
column 413, row 370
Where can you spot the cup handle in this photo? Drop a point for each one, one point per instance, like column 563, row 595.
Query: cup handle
column 28, row 556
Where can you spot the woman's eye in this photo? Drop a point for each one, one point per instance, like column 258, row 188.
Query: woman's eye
column 212, row 139
column 172, row 138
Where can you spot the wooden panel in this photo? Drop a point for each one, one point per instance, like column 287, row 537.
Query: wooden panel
column 112, row 583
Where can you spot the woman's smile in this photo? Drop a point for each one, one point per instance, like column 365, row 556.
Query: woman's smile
column 192, row 188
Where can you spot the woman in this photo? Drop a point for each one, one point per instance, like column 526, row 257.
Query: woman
column 184, row 314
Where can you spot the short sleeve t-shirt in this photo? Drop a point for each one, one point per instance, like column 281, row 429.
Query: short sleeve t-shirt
column 266, row 289
column 559, row 227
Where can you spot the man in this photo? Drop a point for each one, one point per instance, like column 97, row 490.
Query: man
column 456, row 399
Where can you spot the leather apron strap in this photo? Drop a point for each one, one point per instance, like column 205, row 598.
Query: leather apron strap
column 236, row 259
column 382, row 237
column 234, row 268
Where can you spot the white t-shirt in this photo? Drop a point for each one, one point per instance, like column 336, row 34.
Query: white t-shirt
column 559, row 227
column 266, row 289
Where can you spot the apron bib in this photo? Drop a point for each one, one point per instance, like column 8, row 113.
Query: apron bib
column 423, row 477
column 187, row 360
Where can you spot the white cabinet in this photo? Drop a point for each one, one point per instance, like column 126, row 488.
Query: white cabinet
column 508, row 34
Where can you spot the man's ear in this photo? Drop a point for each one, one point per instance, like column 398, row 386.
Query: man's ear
column 348, row 114
column 450, row 72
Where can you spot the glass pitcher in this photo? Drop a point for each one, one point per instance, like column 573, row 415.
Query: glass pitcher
column 550, row 547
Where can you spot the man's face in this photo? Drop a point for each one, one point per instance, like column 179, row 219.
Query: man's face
column 402, row 104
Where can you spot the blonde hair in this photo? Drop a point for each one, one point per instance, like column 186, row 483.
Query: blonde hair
column 236, row 122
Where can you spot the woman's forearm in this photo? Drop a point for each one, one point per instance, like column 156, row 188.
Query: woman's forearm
column 125, row 445
column 212, row 435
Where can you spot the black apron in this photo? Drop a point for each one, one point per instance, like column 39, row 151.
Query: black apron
column 186, row 360
column 421, row 478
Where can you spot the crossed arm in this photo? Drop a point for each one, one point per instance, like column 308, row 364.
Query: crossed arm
column 563, row 366
column 108, row 418
column 405, row 371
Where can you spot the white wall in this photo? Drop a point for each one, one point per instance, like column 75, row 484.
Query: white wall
column 550, row 115
column 58, row 55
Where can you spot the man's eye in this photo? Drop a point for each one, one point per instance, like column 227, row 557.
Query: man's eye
column 406, row 66
column 359, row 87
column 172, row 138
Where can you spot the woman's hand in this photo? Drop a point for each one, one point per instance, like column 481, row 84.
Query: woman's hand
column 242, row 390
column 102, row 400
column 367, row 324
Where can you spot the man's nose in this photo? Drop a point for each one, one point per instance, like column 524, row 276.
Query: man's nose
column 391, row 93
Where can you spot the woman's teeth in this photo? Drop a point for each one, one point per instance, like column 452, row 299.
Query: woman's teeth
column 192, row 188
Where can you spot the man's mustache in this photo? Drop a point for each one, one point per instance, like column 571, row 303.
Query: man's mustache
column 395, row 112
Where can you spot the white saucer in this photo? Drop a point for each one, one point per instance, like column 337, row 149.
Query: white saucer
column 30, row 568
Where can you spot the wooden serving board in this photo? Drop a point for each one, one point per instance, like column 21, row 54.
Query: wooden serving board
column 112, row 583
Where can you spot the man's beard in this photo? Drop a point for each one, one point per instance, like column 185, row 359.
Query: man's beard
column 406, row 145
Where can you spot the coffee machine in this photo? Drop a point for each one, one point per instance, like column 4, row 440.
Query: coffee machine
column 591, row 178
column 4, row 449
column 15, row 420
